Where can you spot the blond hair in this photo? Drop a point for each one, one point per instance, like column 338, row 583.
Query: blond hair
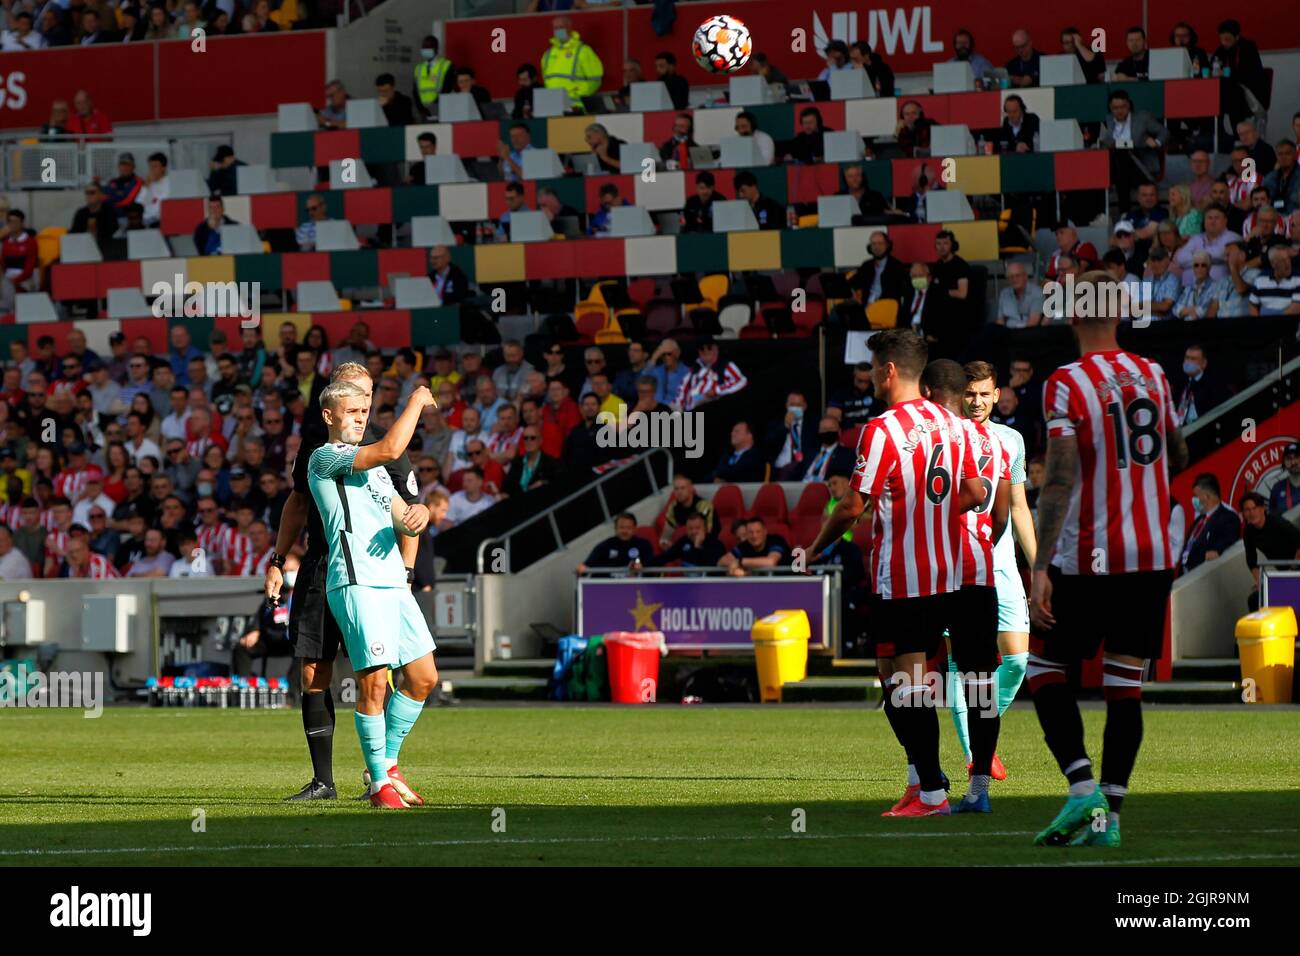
column 349, row 371
column 337, row 391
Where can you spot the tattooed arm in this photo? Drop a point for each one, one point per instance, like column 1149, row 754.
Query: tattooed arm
column 1053, row 500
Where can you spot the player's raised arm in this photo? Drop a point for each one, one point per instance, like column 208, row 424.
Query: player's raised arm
column 399, row 436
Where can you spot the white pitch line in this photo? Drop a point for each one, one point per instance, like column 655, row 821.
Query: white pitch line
column 560, row 841
column 1167, row 859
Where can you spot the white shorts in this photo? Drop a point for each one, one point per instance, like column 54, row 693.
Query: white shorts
column 1013, row 605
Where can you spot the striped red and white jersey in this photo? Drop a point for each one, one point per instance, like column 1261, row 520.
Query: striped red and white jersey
column 1283, row 227
column 11, row 515
column 1239, row 189
column 56, row 543
column 214, row 539
column 911, row 460
column 255, row 565
column 239, row 551
column 70, row 484
column 1120, row 409
column 705, row 383
column 993, row 464
column 47, row 519
column 100, row 568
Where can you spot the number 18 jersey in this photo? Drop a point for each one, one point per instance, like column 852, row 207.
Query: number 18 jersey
column 1120, row 409
column 911, row 460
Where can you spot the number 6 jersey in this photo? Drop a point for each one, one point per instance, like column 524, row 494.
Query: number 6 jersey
column 911, row 461
column 1120, row 409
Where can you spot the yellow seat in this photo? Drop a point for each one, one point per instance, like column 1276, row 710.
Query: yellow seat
column 883, row 314
column 713, row 288
column 47, row 245
column 809, row 221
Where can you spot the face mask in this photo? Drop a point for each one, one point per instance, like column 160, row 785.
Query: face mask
column 289, row 578
column 204, row 489
column 426, row 53
column 963, row 55
column 795, row 410
column 1196, row 506
column 829, row 438
column 1191, row 368
column 561, row 35
column 920, row 284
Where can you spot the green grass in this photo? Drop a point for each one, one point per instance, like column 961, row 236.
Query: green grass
column 603, row 785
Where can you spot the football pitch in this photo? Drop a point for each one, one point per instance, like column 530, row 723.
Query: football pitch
column 665, row 785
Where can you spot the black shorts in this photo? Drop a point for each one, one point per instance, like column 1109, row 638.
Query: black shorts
column 973, row 628
column 909, row 625
column 312, row 628
column 1124, row 613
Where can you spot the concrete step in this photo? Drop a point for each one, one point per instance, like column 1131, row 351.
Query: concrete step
column 498, row 688
column 520, row 667
column 817, row 689
column 1192, row 692
column 1207, row 668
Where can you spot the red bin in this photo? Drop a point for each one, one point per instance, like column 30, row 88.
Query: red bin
column 633, row 666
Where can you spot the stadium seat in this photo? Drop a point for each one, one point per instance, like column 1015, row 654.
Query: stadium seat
column 804, row 529
column 358, row 178
column 734, row 317
column 849, row 436
column 239, row 240
column 336, row 235
column 662, row 317
column 47, row 245
column 318, row 296
column 883, row 314
column 146, row 244
column 34, row 307
column 812, row 500
column 183, row 247
column 650, row 534
column 445, row 169
column 296, row 118
column 254, row 180
column 127, row 304
column 415, row 293
column 428, row 231
column 729, row 504
column 769, row 503
column 79, row 247
column 364, row 113
column 756, row 330
column 187, row 184
column 589, row 323
column 781, row 529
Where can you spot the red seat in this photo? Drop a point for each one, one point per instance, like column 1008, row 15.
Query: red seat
column 729, row 505
column 728, row 539
column 755, row 330
column 456, row 481
column 849, row 436
column 812, row 501
column 650, row 534
column 642, row 290
column 781, row 530
column 769, row 504
column 804, row 529
column 589, row 323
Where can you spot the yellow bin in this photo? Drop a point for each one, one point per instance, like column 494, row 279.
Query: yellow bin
column 780, row 651
column 1266, row 645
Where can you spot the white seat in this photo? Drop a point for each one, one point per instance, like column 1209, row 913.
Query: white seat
column 549, row 102
column 296, row 118
column 733, row 215
column 529, row 226
column 1060, row 69
column 953, row 77
column 79, row 247
column 415, row 293
column 34, row 307
column 362, row 114
column 749, row 91
column 127, row 304
column 446, row 168
column 147, row 244
column 852, row 85
column 427, row 231
column 254, row 180
column 650, row 96
column 842, row 146
column 734, row 317
column 1169, row 63
column 739, row 152
column 187, row 184
column 458, row 108
column 542, row 164
column 1059, row 136
column 336, row 235
column 632, row 158
column 239, row 240
column 183, row 246
column 627, row 221
column 834, row 211
column 359, row 179
column 318, row 296
column 947, row 205
column 954, row 140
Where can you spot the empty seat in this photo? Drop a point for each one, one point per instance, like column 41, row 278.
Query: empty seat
column 79, row 247
column 447, row 168
column 415, row 293
column 34, row 307
column 733, row 318
column 769, row 504
column 127, row 304
column 146, row 244
column 427, row 231
column 362, row 114
column 812, row 500
column 804, row 529
column 318, row 296
column 296, row 118
column 239, row 239
column 336, row 235
column 187, row 184
column 729, row 505
column 254, row 179
column 651, row 535
column 183, row 246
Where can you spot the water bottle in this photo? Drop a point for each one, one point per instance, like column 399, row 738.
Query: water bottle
column 504, row 647
column 1216, row 68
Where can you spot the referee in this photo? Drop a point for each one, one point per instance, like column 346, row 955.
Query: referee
column 315, row 635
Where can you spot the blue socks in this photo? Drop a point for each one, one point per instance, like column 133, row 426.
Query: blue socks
column 957, row 704
column 370, row 728
column 399, row 717
column 1010, row 673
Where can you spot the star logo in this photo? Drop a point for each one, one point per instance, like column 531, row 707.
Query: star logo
column 644, row 614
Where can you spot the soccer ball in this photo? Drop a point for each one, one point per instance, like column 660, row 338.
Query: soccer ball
column 721, row 44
